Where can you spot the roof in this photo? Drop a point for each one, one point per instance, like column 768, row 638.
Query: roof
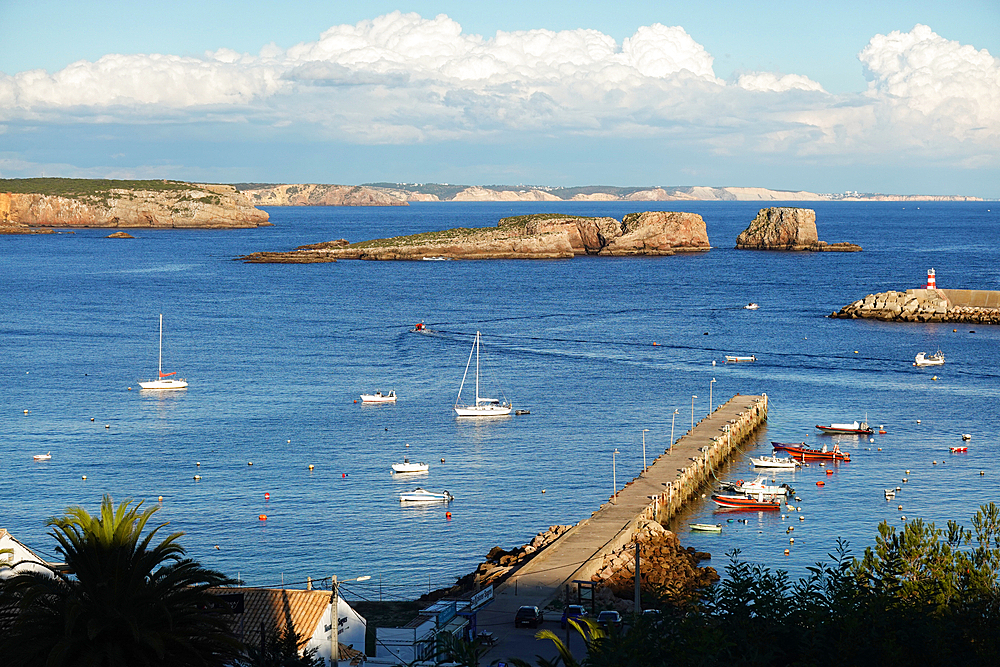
column 277, row 609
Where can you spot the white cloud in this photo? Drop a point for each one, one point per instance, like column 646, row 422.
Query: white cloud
column 769, row 82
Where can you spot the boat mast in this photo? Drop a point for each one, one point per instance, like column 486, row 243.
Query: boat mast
column 477, row 368
column 160, row 363
column 468, row 363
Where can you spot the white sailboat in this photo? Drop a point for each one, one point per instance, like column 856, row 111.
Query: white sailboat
column 483, row 407
column 163, row 380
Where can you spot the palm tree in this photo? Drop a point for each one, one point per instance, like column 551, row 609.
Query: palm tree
column 128, row 602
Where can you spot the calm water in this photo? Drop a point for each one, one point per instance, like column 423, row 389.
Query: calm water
column 277, row 354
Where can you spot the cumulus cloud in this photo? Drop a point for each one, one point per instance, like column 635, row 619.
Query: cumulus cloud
column 769, row 82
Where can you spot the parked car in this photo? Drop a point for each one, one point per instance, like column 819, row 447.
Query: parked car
column 530, row 617
column 609, row 619
column 572, row 611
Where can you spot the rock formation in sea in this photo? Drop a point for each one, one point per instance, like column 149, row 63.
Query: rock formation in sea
column 787, row 228
column 33, row 203
column 540, row 236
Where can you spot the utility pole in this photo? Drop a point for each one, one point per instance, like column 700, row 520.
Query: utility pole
column 638, row 601
column 335, row 621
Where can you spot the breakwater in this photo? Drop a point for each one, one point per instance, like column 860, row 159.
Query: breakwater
column 926, row 305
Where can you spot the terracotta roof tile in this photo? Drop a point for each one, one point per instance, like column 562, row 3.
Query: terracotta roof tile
column 277, row 609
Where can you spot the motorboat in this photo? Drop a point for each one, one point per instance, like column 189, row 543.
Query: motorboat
column 483, row 407
column 408, row 467
column 163, row 380
column 923, row 359
column 854, row 428
column 706, row 527
column 751, row 306
column 801, row 452
column 419, row 495
column 960, row 449
column 775, row 462
column 758, row 486
column 743, row 502
column 735, row 359
column 890, row 494
column 43, row 457
column 379, row 397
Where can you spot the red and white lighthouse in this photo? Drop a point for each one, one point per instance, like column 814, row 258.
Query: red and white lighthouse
column 930, row 279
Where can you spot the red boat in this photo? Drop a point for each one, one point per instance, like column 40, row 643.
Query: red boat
column 799, row 451
column 764, row 503
column 959, row 449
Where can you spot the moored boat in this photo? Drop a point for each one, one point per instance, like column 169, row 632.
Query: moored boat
column 758, row 486
column 379, row 397
column 163, row 380
column 419, row 495
column 960, row 448
column 483, row 407
column 42, row 457
column 761, row 502
column 800, row 451
column 923, row 359
column 706, row 527
column 409, row 467
column 735, row 358
column 854, row 428
column 775, row 462
column 751, row 306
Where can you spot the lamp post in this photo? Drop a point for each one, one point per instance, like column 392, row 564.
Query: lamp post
column 692, row 411
column 644, row 450
column 673, row 418
column 614, row 475
column 335, row 616
column 711, row 406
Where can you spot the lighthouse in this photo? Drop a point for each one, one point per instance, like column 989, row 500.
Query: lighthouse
column 930, row 279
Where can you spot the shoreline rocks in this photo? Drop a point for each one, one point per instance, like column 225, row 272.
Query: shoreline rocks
column 540, row 236
column 787, row 228
column 916, row 305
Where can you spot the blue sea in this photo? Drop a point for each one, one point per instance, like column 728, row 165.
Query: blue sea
column 277, row 356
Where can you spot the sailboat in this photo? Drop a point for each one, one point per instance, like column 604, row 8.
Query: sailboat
column 483, row 407
column 163, row 381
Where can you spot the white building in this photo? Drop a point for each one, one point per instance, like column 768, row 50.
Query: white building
column 18, row 558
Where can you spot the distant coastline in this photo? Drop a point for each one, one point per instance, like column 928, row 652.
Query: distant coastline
column 402, row 194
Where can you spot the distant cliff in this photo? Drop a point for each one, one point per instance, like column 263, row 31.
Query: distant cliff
column 398, row 194
column 58, row 202
column 541, row 236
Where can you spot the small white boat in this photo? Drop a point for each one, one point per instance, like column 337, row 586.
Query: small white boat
column 42, row 457
column 890, row 494
column 163, row 380
column 707, row 527
column 434, row 259
column 780, row 463
column 379, row 397
column 483, row 407
column 419, row 495
column 936, row 359
column 734, row 359
column 407, row 467
column 751, row 306
column 759, row 486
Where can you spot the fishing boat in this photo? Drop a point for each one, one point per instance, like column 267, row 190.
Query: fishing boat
column 706, row 527
column 775, row 462
column 483, row 407
column 379, row 397
column 407, row 467
column 735, row 359
column 758, row 486
column 923, row 359
column 43, row 457
column 751, row 306
column 801, row 452
column 419, row 495
column 854, row 428
column 960, row 448
column 742, row 502
column 163, row 381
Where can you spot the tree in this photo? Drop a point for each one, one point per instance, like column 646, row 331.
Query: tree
column 127, row 601
column 280, row 650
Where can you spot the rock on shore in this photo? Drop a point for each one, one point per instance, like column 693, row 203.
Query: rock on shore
column 916, row 305
column 183, row 205
column 787, row 228
column 541, row 236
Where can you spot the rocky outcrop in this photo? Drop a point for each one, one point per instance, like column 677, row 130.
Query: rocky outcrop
column 312, row 194
column 786, row 228
column 119, row 235
column 543, row 236
column 664, row 565
column 186, row 206
column 916, row 305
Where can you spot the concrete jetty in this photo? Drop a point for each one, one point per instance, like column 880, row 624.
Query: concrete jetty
column 658, row 493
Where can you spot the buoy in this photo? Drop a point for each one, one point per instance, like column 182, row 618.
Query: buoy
column 791, row 540
column 855, row 351
column 902, row 518
column 655, row 343
column 289, row 442
column 160, row 499
column 543, row 490
column 249, row 463
column 198, row 463
column 829, row 472
column 871, row 439
column 216, row 546
column 879, row 449
column 954, row 330
column 343, row 475
column 91, row 419
column 801, row 518
column 310, row 466
column 107, row 426
column 442, row 460
column 267, row 496
column 934, row 378
column 447, row 515
column 713, row 362
column 262, row 517
column 786, row 552
column 130, row 388
column 918, row 421
column 881, row 430
column 933, row 462
column 899, row 507
column 821, row 483
column 25, row 412
column 85, row 477
column 355, row 400
column 407, row 444
column 197, row 477
column 981, row 473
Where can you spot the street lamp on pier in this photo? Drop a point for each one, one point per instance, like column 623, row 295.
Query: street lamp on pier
column 614, row 475
column 711, row 406
column 673, row 418
column 644, row 450
column 692, row 411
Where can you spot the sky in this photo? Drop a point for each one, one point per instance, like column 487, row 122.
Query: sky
column 889, row 96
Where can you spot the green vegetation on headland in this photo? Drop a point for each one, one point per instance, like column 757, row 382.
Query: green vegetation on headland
column 77, row 188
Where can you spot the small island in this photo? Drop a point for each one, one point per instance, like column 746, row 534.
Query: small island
column 787, row 228
column 539, row 236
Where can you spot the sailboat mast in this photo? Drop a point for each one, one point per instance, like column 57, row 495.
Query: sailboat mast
column 477, row 368
column 160, row 362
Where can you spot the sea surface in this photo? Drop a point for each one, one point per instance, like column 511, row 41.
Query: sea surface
column 277, row 356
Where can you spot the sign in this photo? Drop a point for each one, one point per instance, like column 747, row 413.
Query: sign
column 482, row 597
column 233, row 602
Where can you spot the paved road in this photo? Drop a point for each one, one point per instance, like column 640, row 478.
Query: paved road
column 572, row 556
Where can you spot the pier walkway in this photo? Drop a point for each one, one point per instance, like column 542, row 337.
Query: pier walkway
column 662, row 490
